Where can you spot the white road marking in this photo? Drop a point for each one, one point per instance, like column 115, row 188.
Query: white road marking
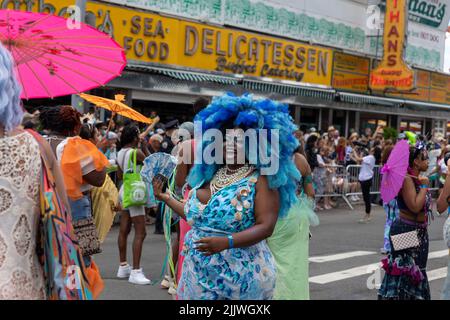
column 367, row 269
column 340, row 256
column 437, row 274
column 344, row 274
column 438, row 254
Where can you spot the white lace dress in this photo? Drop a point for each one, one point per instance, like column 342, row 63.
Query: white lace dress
column 21, row 275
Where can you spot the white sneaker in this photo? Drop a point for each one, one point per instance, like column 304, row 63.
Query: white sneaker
column 124, row 271
column 138, row 277
column 165, row 284
column 172, row 290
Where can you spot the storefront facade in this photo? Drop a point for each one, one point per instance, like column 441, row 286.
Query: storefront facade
column 173, row 59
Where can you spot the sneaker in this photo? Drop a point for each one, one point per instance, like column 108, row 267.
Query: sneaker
column 172, row 290
column 366, row 219
column 165, row 284
column 138, row 277
column 124, row 271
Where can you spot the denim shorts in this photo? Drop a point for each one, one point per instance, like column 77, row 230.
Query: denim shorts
column 81, row 208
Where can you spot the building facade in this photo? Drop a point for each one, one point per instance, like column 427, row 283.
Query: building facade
column 315, row 55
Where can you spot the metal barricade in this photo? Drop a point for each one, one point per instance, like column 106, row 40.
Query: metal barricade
column 353, row 174
column 343, row 182
column 331, row 181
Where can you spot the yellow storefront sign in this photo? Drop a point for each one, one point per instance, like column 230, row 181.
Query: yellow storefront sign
column 149, row 37
column 350, row 73
column 422, row 90
column 439, row 88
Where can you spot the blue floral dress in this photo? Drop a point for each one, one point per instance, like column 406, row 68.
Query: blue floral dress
column 233, row 274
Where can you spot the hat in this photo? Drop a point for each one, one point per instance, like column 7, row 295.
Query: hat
column 172, row 125
column 402, row 136
column 313, row 129
column 157, row 137
column 189, row 127
column 331, row 128
column 112, row 136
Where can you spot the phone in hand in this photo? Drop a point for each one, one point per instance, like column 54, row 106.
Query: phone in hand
column 160, row 177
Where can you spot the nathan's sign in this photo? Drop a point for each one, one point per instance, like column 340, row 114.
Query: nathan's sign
column 393, row 73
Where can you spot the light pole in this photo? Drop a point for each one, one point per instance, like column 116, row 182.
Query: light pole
column 77, row 102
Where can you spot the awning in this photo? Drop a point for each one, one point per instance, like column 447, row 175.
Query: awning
column 366, row 99
column 391, row 102
column 289, row 90
column 427, row 104
column 186, row 75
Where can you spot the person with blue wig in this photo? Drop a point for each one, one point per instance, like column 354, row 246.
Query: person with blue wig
column 236, row 200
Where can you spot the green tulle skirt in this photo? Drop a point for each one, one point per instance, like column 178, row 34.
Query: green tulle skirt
column 290, row 247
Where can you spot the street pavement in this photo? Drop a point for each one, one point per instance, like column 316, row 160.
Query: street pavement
column 343, row 255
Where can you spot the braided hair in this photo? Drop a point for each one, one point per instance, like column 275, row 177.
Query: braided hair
column 64, row 120
column 129, row 134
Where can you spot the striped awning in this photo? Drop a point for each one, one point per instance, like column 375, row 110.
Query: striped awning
column 290, row 90
column 186, row 75
column 366, row 99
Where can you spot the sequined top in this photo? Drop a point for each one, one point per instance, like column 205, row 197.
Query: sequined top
column 238, row 273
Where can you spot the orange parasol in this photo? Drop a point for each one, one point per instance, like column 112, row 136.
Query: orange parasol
column 116, row 107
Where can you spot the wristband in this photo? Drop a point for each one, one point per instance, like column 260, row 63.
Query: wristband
column 423, row 186
column 230, row 242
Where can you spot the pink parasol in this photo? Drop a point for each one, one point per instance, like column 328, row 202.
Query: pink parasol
column 394, row 171
column 54, row 57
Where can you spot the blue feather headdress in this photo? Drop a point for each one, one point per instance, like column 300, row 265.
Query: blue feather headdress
column 247, row 113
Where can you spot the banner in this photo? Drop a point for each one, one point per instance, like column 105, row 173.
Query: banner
column 393, row 73
column 350, row 73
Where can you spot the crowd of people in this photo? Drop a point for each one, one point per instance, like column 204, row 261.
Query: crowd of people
column 329, row 155
column 241, row 234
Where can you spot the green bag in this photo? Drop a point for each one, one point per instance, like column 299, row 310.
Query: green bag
column 134, row 189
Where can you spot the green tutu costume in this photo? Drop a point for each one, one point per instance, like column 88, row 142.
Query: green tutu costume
column 290, row 247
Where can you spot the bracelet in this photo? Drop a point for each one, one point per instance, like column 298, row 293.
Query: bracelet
column 230, row 242
column 423, row 186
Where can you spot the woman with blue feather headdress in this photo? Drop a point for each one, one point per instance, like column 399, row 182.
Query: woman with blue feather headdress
column 244, row 180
